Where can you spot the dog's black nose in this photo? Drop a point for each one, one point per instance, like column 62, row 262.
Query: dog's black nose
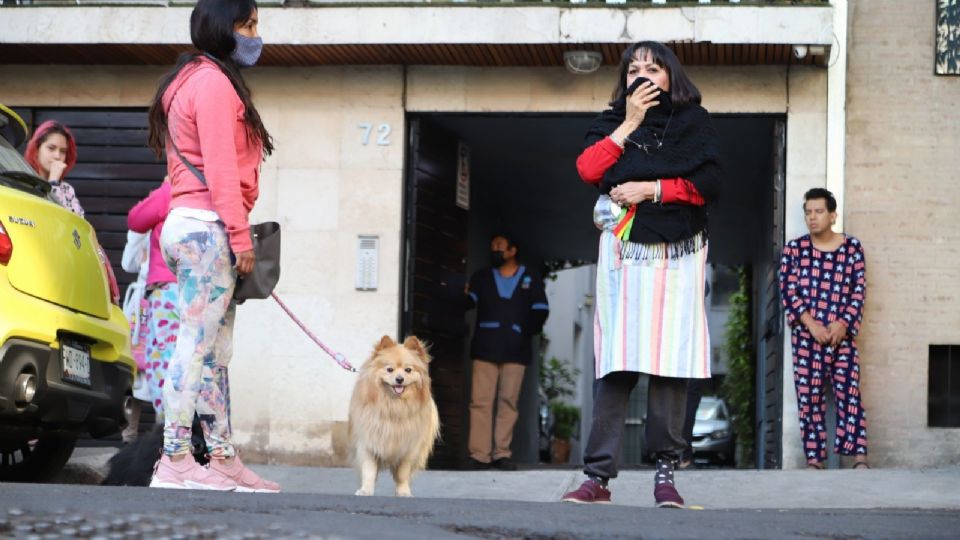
column 399, row 379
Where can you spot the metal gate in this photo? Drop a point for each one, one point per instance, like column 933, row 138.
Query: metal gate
column 769, row 333
column 434, row 273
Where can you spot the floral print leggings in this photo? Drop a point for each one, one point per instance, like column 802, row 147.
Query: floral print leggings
column 196, row 380
column 162, row 324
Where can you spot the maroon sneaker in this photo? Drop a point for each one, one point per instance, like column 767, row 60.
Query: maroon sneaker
column 667, row 496
column 589, row 492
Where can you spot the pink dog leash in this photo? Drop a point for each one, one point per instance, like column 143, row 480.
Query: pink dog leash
column 339, row 358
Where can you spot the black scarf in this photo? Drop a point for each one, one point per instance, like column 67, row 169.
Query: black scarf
column 690, row 150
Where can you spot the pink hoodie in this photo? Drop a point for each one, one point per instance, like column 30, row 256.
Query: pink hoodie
column 205, row 119
column 149, row 215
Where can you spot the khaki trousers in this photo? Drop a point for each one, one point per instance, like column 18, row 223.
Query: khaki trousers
column 500, row 384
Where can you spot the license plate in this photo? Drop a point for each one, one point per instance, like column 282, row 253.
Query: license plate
column 75, row 359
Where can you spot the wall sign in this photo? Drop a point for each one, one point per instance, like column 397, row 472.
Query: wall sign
column 463, row 176
column 383, row 133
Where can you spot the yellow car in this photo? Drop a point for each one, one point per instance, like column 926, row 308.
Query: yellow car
column 65, row 362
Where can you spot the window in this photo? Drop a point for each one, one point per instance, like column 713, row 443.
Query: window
column 943, row 391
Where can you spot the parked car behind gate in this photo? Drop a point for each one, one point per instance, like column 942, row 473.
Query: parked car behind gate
column 65, row 363
column 713, row 437
column 714, row 441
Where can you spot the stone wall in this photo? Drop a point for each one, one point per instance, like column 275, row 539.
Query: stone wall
column 902, row 197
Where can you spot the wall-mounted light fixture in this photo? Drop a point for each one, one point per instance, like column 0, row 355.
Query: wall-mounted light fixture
column 801, row 51
column 582, row 62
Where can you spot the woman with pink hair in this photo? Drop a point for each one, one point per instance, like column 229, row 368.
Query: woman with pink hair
column 52, row 152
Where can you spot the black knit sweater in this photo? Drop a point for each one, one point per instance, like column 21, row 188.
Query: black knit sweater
column 690, row 150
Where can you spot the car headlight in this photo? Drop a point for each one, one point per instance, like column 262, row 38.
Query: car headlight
column 720, row 434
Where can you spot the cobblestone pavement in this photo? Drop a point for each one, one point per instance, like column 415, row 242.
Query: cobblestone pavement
column 64, row 511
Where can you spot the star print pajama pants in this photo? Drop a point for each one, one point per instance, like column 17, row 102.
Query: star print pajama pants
column 814, row 365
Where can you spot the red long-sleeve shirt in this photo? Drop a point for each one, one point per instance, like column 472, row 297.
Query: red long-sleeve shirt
column 595, row 160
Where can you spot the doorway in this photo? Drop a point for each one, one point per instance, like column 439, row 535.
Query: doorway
column 520, row 176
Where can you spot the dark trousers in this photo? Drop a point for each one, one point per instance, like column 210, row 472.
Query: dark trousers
column 666, row 407
column 694, row 394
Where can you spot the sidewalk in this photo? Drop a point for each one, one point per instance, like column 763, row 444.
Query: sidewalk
column 711, row 489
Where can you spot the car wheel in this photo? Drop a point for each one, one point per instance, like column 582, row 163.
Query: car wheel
column 35, row 460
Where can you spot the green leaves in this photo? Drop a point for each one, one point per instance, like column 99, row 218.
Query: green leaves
column 565, row 419
column 557, row 379
column 738, row 387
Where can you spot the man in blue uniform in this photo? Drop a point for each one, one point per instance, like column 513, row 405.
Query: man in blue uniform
column 511, row 308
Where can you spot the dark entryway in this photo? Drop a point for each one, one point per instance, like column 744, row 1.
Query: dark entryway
column 523, row 179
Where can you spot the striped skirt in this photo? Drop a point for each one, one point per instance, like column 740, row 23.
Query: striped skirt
column 651, row 315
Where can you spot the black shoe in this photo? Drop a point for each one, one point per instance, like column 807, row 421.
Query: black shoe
column 474, row 465
column 505, row 464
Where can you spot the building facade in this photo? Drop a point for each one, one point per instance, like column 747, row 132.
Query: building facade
column 361, row 100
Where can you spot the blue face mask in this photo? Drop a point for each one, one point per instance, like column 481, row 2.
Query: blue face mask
column 247, row 51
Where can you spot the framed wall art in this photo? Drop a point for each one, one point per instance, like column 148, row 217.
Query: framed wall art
column 947, row 57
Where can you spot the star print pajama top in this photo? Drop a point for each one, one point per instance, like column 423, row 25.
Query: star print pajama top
column 830, row 286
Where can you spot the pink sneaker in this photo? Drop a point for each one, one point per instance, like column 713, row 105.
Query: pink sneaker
column 188, row 474
column 246, row 480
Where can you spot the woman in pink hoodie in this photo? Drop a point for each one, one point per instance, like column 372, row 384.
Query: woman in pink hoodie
column 204, row 120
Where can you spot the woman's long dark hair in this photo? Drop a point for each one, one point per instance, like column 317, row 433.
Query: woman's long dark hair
column 682, row 89
column 211, row 30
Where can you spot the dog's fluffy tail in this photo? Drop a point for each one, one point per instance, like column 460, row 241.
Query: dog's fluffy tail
column 133, row 464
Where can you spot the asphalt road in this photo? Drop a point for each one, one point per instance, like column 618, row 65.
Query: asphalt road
column 64, row 511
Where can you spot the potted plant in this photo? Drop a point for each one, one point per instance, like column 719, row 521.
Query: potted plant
column 558, row 380
column 565, row 423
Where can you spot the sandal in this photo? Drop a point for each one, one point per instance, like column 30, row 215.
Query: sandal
column 816, row 466
column 861, row 465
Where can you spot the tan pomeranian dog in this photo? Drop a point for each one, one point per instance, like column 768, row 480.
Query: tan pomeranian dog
column 393, row 419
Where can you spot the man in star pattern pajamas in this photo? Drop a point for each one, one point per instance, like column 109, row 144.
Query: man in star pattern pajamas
column 822, row 287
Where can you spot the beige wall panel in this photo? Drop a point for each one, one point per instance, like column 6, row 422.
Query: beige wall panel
column 88, row 86
column 309, row 136
column 297, row 85
column 466, row 89
column 742, row 89
column 309, row 199
column 370, row 200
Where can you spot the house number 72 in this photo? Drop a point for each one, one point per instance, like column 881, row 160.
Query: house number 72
column 383, row 133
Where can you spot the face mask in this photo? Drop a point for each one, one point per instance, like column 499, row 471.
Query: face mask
column 496, row 259
column 247, row 51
